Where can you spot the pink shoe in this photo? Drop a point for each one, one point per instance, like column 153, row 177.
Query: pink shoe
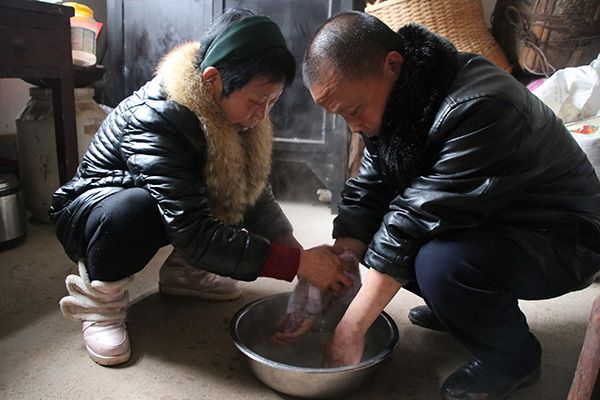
column 178, row 278
column 106, row 342
column 102, row 308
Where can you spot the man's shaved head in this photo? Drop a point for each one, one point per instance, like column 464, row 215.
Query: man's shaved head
column 353, row 43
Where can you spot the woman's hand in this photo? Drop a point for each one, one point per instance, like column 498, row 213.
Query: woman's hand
column 322, row 268
column 345, row 347
column 305, row 326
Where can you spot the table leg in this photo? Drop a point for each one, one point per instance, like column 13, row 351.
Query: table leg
column 63, row 99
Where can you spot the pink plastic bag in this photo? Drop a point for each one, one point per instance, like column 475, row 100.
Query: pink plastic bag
column 307, row 302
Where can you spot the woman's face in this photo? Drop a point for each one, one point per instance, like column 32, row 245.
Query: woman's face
column 247, row 106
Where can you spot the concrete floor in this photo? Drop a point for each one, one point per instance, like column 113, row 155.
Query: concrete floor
column 182, row 348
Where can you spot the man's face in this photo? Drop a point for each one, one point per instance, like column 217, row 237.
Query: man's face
column 360, row 102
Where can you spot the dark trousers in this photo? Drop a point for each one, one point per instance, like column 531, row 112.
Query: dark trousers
column 472, row 280
column 122, row 233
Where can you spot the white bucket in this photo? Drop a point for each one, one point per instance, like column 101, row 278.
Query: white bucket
column 38, row 166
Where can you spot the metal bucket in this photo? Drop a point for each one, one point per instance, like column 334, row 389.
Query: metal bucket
column 13, row 225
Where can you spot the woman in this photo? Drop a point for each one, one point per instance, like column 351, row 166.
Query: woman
column 185, row 161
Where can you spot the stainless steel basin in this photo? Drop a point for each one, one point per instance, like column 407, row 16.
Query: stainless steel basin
column 296, row 369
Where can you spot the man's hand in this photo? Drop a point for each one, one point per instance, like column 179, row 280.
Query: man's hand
column 322, row 268
column 347, row 343
column 345, row 347
column 357, row 247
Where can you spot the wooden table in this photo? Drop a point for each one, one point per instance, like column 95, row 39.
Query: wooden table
column 35, row 43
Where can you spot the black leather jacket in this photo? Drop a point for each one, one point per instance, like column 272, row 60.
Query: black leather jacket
column 157, row 144
column 494, row 156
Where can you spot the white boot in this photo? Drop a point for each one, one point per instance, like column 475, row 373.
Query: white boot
column 102, row 307
column 178, row 278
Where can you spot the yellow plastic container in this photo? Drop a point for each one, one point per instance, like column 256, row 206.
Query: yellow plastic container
column 83, row 35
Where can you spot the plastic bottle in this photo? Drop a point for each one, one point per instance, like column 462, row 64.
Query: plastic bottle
column 83, row 35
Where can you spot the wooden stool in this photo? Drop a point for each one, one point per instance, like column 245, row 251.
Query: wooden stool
column 589, row 359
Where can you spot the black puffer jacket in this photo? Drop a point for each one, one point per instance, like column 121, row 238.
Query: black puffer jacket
column 209, row 181
column 491, row 154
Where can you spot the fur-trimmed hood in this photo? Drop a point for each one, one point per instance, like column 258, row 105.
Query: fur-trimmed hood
column 430, row 67
column 238, row 165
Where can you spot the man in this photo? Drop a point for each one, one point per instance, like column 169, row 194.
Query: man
column 471, row 194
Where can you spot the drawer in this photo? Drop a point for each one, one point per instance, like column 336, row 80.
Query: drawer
column 31, row 47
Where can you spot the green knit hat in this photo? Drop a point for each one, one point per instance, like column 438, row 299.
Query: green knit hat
column 244, row 38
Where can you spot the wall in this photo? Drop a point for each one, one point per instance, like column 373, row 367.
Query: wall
column 488, row 8
column 14, row 92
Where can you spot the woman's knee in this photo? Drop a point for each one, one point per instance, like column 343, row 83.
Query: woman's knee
column 128, row 212
column 131, row 216
column 135, row 207
column 122, row 233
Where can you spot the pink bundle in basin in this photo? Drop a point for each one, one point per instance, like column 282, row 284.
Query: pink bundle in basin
column 307, row 303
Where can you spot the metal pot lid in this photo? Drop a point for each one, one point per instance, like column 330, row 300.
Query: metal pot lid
column 8, row 181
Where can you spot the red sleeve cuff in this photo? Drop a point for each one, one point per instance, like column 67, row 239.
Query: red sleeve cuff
column 282, row 263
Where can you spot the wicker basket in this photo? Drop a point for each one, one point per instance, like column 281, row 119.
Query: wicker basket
column 461, row 21
column 541, row 36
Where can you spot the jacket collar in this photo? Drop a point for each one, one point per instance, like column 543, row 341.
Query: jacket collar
column 237, row 165
column 430, row 66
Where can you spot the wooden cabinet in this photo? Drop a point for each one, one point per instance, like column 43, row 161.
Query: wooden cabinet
column 26, row 47
column 141, row 31
column 35, row 43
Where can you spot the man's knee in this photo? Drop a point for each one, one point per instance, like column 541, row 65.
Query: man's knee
column 440, row 268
